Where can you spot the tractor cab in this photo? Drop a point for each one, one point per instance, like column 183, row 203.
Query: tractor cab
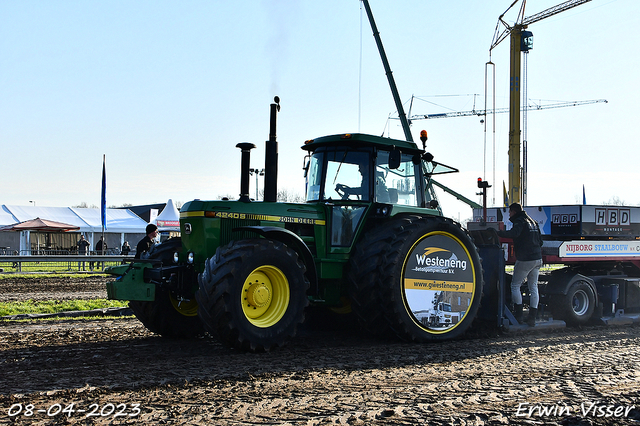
column 370, row 169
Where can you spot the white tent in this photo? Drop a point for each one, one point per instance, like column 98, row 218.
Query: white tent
column 118, row 220
column 169, row 219
column 6, row 218
column 58, row 214
column 88, row 220
column 121, row 223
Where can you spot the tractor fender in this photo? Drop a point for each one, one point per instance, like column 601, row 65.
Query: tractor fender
column 560, row 282
column 292, row 240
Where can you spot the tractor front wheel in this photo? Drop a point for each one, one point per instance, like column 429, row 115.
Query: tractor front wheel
column 167, row 315
column 252, row 294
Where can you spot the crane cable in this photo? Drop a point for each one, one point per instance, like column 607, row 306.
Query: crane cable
column 493, row 118
column 525, row 109
column 360, row 75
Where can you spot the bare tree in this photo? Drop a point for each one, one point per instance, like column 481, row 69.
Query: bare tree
column 225, row 197
column 614, row 201
column 83, row 205
column 287, row 195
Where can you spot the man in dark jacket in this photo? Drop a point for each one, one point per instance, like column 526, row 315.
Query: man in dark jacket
column 101, row 250
column 83, row 245
column 146, row 243
column 527, row 241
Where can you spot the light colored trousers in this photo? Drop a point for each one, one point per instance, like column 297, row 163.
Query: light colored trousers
column 530, row 270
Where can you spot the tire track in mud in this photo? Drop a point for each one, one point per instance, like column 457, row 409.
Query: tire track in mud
column 322, row 377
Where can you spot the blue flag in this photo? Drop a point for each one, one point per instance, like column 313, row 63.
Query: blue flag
column 505, row 195
column 103, row 200
column 584, row 196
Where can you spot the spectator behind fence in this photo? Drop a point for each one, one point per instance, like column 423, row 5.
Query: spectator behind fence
column 126, row 248
column 101, row 250
column 83, row 245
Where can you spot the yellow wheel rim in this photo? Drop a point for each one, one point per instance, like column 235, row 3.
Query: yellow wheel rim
column 188, row 308
column 265, row 296
column 344, row 308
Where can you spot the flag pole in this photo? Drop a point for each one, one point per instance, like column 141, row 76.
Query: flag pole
column 103, row 203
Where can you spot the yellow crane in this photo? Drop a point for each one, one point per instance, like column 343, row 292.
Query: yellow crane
column 521, row 41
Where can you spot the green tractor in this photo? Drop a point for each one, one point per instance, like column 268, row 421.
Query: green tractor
column 370, row 239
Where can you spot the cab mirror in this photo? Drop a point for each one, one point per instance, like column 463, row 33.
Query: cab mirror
column 305, row 164
column 394, row 159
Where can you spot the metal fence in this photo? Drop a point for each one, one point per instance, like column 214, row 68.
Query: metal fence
column 62, row 263
column 6, row 251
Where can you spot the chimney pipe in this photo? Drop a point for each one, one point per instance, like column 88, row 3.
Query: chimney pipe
column 271, row 157
column 246, row 148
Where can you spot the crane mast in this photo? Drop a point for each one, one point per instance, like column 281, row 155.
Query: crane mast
column 520, row 40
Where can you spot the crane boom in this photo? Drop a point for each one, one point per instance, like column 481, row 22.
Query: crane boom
column 481, row 113
column 553, row 11
column 387, row 69
column 499, row 36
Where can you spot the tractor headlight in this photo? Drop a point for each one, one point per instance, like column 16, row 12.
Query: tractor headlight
column 382, row 210
column 190, row 257
column 176, row 257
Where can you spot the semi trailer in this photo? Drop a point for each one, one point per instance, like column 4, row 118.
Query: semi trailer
column 592, row 253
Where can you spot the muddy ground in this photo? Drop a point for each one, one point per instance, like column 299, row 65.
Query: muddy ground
column 50, row 287
column 113, row 371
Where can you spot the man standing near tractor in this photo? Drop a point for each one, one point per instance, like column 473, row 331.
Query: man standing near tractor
column 527, row 242
column 147, row 242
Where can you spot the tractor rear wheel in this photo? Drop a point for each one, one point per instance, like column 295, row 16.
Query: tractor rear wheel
column 429, row 270
column 252, row 294
column 167, row 315
column 364, row 279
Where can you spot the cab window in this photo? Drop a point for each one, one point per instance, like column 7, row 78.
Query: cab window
column 395, row 186
column 347, row 175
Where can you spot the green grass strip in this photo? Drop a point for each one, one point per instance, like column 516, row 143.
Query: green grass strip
column 83, row 318
column 55, row 306
column 40, row 276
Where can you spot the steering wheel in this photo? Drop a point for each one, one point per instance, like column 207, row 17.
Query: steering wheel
column 343, row 191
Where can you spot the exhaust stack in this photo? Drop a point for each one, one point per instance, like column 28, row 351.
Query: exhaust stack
column 246, row 148
column 271, row 157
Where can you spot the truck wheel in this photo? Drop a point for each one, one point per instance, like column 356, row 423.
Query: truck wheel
column 430, row 269
column 253, row 294
column 577, row 306
column 166, row 315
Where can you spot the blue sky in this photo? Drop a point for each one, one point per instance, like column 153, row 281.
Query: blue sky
column 166, row 90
